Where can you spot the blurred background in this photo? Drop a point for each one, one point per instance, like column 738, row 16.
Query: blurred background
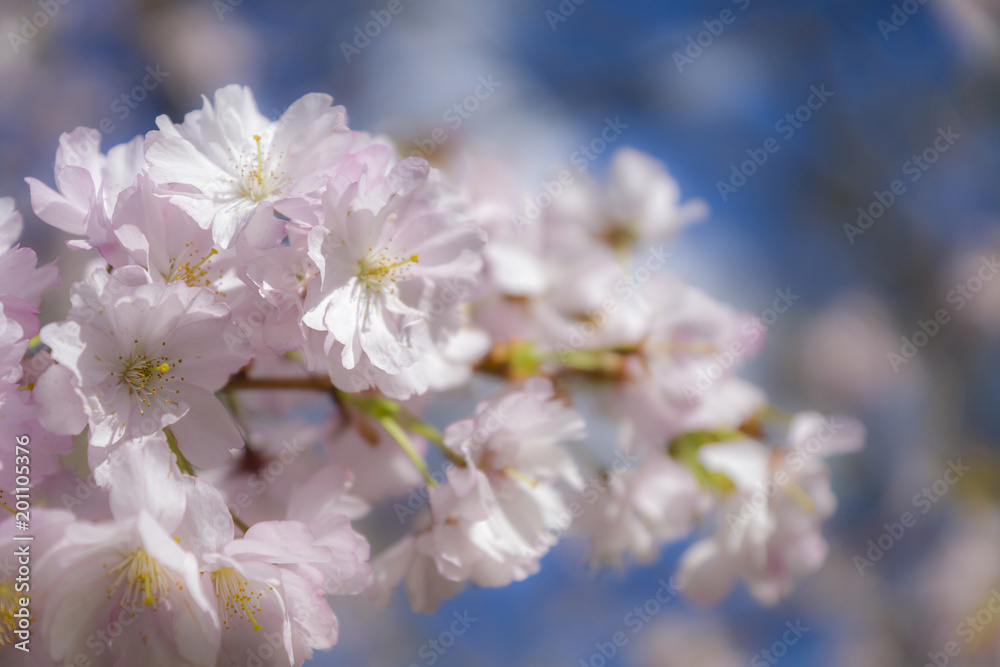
column 858, row 97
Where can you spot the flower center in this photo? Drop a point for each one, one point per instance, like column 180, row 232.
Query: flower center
column 195, row 269
column 144, row 376
column 238, row 597
column 619, row 235
column 258, row 180
column 8, row 606
column 144, row 582
column 384, row 269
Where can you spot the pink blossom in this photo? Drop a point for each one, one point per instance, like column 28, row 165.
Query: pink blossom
column 130, row 573
column 88, row 184
column 769, row 526
column 641, row 202
column 394, row 265
column 145, row 356
column 632, row 511
column 230, row 167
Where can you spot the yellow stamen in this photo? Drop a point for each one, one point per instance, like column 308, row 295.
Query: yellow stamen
column 380, row 271
column 517, row 474
column 192, row 274
column 238, row 597
column 143, row 375
column 144, row 581
column 8, row 607
column 260, row 161
column 798, row 494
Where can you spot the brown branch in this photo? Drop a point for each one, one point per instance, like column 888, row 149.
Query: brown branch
column 241, row 382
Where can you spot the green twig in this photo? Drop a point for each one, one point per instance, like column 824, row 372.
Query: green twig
column 182, row 462
column 239, row 522
column 393, row 428
column 378, row 407
column 422, row 428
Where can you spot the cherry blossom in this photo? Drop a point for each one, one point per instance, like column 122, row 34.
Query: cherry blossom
column 492, row 521
column 231, row 168
column 393, row 267
column 89, row 183
column 130, row 572
column 147, row 355
column 289, row 346
column 23, row 284
column 641, row 202
column 631, row 511
column 769, row 525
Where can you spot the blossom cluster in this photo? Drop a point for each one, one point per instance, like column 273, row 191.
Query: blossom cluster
column 266, row 311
